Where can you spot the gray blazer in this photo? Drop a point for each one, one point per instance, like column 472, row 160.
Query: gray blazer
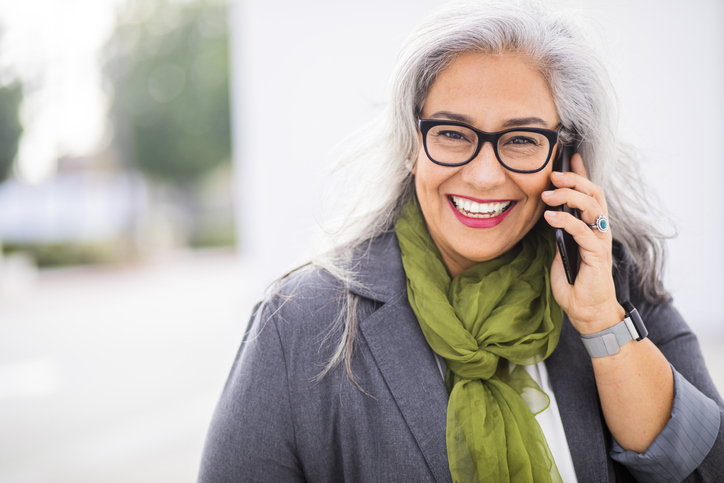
column 277, row 421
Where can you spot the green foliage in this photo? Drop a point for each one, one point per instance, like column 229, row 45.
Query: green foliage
column 68, row 254
column 167, row 69
column 10, row 127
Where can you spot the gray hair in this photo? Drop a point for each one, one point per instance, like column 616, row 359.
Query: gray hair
column 378, row 166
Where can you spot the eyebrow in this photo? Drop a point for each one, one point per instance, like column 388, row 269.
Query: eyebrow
column 525, row 121
column 517, row 122
column 452, row 116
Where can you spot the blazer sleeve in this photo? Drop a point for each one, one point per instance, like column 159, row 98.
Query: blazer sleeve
column 681, row 348
column 684, row 442
column 251, row 436
column 670, row 333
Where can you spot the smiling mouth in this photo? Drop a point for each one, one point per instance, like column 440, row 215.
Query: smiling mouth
column 472, row 209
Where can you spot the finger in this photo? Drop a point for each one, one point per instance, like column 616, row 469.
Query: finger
column 582, row 233
column 587, row 206
column 579, row 183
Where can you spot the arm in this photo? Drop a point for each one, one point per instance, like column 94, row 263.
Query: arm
column 663, row 430
column 251, row 437
column 635, row 386
column 682, row 445
column 636, row 389
column 692, row 442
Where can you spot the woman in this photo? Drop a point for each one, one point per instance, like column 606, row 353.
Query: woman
column 443, row 341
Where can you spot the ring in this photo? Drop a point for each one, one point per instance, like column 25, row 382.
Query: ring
column 601, row 224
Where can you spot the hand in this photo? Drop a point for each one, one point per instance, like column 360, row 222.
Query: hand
column 591, row 302
column 635, row 386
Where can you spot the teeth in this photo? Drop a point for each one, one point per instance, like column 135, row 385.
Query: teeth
column 479, row 210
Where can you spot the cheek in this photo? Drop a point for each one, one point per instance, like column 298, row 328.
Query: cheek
column 533, row 188
column 417, row 162
column 427, row 177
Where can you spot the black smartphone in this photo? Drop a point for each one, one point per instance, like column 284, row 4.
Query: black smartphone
column 567, row 246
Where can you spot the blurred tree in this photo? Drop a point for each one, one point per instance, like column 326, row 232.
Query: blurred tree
column 10, row 127
column 167, row 70
column 11, row 95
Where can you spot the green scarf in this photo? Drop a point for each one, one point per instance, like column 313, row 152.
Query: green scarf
column 496, row 311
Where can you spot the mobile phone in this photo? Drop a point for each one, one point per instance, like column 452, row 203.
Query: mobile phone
column 567, row 246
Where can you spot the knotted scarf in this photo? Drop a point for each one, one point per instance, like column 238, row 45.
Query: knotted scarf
column 496, row 311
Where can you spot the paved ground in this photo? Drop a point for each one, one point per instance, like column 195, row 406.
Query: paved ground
column 111, row 374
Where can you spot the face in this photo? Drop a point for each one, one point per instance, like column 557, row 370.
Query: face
column 491, row 93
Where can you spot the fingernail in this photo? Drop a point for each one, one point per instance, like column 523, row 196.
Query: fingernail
column 547, row 193
column 558, row 173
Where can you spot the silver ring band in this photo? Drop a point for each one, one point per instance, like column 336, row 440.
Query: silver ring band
column 601, row 224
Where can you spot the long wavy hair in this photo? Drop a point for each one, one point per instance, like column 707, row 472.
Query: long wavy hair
column 376, row 171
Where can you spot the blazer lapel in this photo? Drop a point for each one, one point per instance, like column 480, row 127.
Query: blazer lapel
column 574, row 384
column 408, row 366
column 401, row 352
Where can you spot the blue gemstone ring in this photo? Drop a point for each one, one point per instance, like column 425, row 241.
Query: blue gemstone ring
column 601, row 224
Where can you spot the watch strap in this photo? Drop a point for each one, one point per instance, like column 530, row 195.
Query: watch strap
column 608, row 341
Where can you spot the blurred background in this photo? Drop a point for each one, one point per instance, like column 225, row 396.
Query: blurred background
column 160, row 164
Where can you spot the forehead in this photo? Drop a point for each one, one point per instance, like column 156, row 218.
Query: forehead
column 491, row 89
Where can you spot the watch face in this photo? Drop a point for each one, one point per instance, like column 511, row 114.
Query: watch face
column 636, row 319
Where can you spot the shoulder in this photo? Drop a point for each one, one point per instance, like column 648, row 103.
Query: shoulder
column 309, row 304
column 305, row 293
column 299, row 312
column 373, row 270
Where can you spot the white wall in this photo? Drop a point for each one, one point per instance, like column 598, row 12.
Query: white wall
column 308, row 73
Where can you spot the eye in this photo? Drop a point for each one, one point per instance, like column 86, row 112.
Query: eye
column 452, row 135
column 522, row 141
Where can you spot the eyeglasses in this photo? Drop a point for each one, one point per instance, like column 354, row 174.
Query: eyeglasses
column 522, row 150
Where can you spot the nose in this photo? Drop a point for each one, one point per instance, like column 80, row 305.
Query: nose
column 484, row 171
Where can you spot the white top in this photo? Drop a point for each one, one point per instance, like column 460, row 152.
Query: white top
column 551, row 424
column 549, row 420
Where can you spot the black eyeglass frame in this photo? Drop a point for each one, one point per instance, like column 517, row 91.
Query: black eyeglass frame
column 483, row 137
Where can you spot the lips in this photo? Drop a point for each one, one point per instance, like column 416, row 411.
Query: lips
column 480, row 214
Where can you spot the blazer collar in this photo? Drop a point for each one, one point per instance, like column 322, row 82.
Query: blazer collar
column 378, row 265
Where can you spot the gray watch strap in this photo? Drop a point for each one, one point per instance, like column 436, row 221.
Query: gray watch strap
column 608, row 341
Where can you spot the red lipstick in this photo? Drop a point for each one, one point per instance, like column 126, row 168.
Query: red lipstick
column 480, row 222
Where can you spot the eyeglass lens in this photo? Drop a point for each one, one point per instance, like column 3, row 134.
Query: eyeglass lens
column 519, row 150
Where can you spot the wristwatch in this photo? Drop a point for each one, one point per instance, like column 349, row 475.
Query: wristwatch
column 608, row 341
